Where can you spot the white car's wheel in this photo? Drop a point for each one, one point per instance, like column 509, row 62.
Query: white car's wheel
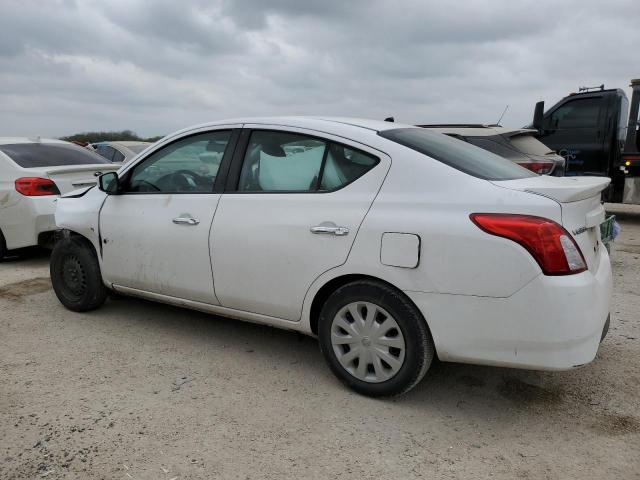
column 374, row 339
column 75, row 275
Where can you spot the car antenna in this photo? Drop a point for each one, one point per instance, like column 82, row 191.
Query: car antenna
column 503, row 112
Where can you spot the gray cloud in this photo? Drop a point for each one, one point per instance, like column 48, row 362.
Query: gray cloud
column 67, row 66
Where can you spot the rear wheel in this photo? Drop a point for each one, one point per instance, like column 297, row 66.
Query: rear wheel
column 374, row 339
column 75, row 275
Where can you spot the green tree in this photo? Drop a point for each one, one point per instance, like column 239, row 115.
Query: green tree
column 94, row 137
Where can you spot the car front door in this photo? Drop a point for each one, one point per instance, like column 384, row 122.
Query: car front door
column 575, row 131
column 155, row 234
column 293, row 205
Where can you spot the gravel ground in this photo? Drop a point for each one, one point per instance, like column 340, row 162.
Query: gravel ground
column 146, row 391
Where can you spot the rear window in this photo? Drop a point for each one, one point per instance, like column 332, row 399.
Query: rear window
column 529, row 144
column 458, row 154
column 497, row 145
column 29, row 155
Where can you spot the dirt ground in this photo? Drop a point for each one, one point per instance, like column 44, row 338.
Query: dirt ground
column 138, row 390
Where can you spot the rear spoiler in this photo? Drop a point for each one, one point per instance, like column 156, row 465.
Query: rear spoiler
column 561, row 189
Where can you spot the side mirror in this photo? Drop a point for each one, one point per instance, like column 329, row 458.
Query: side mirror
column 109, row 183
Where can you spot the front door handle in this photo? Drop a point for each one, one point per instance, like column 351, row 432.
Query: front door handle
column 186, row 221
column 329, row 228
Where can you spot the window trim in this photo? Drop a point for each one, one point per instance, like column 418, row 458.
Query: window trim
column 233, row 179
column 218, row 185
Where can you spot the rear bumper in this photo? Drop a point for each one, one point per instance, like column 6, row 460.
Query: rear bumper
column 553, row 323
column 25, row 219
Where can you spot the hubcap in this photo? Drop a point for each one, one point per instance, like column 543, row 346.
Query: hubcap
column 367, row 342
column 73, row 275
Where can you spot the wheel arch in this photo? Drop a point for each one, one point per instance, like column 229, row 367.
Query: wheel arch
column 68, row 233
column 331, row 285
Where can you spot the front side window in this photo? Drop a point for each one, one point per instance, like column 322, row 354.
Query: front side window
column 189, row 165
column 291, row 162
column 579, row 113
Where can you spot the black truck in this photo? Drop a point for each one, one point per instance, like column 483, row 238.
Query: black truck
column 596, row 131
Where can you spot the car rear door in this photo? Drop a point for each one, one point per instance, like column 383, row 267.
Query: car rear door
column 293, row 205
column 155, row 234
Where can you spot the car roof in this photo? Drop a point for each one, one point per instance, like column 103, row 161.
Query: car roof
column 123, row 143
column 334, row 125
column 478, row 130
column 15, row 140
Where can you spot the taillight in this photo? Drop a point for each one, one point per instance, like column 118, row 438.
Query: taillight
column 541, row 168
column 36, row 187
column 548, row 243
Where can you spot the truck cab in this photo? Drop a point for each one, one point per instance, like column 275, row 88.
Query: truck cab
column 589, row 130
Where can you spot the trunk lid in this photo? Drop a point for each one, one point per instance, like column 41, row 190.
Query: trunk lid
column 69, row 178
column 579, row 199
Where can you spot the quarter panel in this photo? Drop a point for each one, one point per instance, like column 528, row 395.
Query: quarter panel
column 81, row 215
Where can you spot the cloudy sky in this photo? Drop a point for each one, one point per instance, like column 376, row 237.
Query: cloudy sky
column 157, row 66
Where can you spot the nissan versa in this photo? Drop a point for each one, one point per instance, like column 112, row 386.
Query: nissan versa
column 391, row 243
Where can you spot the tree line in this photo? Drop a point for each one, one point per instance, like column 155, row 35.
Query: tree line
column 95, row 137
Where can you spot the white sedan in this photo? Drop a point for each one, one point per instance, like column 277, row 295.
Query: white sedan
column 33, row 173
column 388, row 242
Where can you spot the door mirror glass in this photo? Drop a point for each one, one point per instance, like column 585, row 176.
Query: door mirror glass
column 108, row 183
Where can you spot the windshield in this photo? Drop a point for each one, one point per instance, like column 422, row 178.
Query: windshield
column 29, row 155
column 457, row 154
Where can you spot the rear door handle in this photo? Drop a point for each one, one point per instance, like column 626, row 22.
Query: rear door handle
column 329, row 228
column 186, row 221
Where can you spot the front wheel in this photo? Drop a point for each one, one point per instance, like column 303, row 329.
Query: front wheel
column 374, row 339
column 75, row 275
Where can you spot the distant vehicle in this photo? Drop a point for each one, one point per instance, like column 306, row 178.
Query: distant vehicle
column 119, row 152
column 516, row 144
column 33, row 173
column 389, row 242
column 596, row 131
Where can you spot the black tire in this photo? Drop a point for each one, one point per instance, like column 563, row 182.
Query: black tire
column 419, row 347
column 75, row 275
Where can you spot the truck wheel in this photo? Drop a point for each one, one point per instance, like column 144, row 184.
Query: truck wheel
column 374, row 339
column 75, row 275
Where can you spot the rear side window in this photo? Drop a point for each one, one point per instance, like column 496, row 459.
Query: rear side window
column 117, row 156
column 29, row 155
column 105, row 151
column 457, row 154
column 291, row 162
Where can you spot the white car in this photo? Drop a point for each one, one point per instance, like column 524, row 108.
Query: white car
column 391, row 243
column 33, row 173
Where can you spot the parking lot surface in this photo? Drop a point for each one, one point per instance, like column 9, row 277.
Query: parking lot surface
column 146, row 391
